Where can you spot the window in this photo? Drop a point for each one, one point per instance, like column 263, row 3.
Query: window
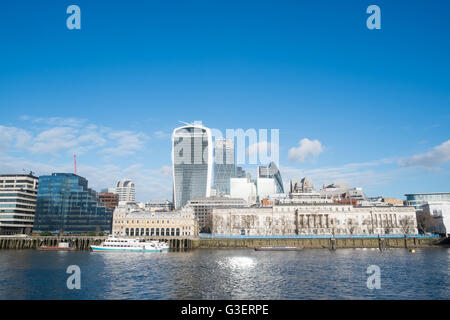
column 147, row 232
column 157, row 231
column 172, row 232
column 132, row 232
column 178, row 232
column 162, row 231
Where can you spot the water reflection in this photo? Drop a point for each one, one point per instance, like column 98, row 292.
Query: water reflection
column 226, row 274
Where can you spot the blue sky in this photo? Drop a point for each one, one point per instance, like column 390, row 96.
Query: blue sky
column 377, row 102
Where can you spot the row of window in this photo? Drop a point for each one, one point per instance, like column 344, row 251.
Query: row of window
column 154, row 232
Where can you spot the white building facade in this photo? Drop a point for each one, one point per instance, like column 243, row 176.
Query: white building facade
column 125, row 190
column 314, row 219
column 17, row 203
column 244, row 188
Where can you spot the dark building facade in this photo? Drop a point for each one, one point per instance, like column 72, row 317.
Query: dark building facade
column 65, row 204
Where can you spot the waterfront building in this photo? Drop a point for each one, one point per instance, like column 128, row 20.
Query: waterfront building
column 269, row 182
column 416, row 200
column 313, row 219
column 65, row 204
column 244, row 188
column 111, row 200
column 301, row 185
column 130, row 220
column 125, row 190
column 335, row 191
column 440, row 212
column 192, row 163
column 203, row 207
column 224, row 165
column 159, row 205
column 17, row 203
column 240, row 173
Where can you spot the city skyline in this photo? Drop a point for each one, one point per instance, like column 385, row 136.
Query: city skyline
column 373, row 113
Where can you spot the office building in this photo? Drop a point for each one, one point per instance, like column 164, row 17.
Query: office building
column 303, row 185
column 244, row 188
column 159, row 205
column 269, row 182
column 203, row 207
column 17, row 203
column 125, row 190
column 440, row 212
column 111, row 200
column 416, row 200
column 224, row 165
column 65, row 204
column 192, row 163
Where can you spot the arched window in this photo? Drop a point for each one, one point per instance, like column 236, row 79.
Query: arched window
column 132, row 232
column 142, row 231
column 137, row 231
column 157, row 231
column 167, row 232
column 147, row 232
column 152, row 231
column 127, row 231
column 178, row 232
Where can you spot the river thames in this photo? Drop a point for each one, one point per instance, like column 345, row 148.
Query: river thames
column 227, row 274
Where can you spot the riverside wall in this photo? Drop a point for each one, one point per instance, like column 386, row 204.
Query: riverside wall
column 79, row 242
column 84, row 242
column 382, row 243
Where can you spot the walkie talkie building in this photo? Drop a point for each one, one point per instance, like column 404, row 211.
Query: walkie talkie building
column 192, row 163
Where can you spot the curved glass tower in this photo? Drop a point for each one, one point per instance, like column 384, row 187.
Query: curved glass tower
column 192, row 163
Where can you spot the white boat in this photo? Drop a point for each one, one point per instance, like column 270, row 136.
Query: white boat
column 128, row 245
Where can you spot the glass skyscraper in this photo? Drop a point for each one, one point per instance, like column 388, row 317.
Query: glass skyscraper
column 192, row 163
column 224, row 165
column 66, row 204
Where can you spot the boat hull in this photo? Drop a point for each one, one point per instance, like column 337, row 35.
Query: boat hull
column 103, row 249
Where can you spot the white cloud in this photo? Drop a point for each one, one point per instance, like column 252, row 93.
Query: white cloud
column 74, row 137
column 305, row 149
column 431, row 159
column 127, row 142
column 162, row 135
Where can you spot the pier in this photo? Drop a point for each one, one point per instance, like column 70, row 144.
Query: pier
column 183, row 243
column 82, row 242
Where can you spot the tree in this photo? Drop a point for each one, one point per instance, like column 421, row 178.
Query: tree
column 352, row 225
column 208, row 227
column 405, row 224
column 425, row 222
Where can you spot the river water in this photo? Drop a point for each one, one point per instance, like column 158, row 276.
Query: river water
column 227, row 274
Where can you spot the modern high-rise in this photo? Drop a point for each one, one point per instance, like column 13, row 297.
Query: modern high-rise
column 192, row 163
column 17, row 203
column 65, row 204
column 244, row 188
column 269, row 181
column 416, row 200
column 224, row 165
column 125, row 190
